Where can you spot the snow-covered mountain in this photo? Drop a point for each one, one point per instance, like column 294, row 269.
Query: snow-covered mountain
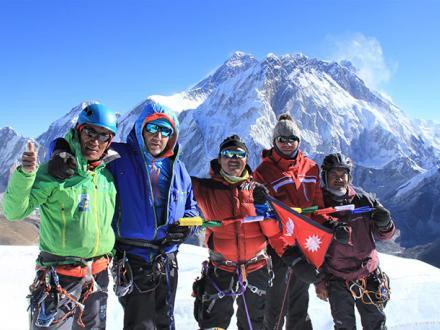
column 414, row 288
column 418, row 202
column 333, row 107
column 429, row 130
column 60, row 126
column 11, row 147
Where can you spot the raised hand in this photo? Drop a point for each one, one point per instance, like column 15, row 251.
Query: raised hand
column 29, row 158
column 62, row 165
column 321, row 291
column 381, row 217
column 259, row 193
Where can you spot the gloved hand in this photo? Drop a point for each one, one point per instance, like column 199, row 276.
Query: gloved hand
column 321, row 290
column 259, row 193
column 294, row 259
column 176, row 235
column 381, row 217
column 261, row 209
column 62, row 165
column 341, row 231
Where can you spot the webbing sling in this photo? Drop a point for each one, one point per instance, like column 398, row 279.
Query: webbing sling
column 96, row 266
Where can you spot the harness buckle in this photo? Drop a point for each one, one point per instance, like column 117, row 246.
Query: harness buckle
column 253, row 289
column 229, row 263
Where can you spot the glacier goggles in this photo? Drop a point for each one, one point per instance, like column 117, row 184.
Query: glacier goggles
column 94, row 135
column 287, row 139
column 153, row 129
column 229, row 153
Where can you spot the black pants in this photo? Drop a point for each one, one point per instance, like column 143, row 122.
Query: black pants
column 342, row 307
column 151, row 303
column 95, row 311
column 296, row 303
column 212, row 311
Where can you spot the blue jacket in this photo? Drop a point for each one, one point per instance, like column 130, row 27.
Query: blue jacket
column 135, row 223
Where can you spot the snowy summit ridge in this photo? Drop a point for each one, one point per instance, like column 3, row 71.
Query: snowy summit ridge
column 334, row 109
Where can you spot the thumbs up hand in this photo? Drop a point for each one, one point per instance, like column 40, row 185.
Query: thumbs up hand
column 29, row 158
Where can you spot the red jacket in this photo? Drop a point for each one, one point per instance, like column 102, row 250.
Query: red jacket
column 294, row 182
column 230, row 203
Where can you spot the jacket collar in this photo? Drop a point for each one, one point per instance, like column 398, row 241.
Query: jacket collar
column 284, row 164
column 346, row 199
column 72, row 139
column 214, row 172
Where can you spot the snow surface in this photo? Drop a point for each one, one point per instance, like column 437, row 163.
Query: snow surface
column 415, row 286
column 178, row 102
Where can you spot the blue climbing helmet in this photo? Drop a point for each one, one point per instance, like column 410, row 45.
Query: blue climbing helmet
column 98, row 115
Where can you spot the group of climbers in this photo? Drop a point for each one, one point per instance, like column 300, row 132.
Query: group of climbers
column 102, row 201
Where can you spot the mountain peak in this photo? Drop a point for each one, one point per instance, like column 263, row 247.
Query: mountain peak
column 8, row 130
column 348, row 65
column 272, row 56
column 240, row 59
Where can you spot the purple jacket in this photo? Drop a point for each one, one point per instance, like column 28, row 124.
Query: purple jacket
column 355, row 261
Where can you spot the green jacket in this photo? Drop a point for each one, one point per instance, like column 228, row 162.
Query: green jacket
column 75, row 214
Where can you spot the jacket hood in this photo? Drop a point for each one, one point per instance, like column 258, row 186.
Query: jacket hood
column 153, row 111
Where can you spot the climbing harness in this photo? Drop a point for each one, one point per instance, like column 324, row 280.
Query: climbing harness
column 240, row 279
column 372, row 290
column 217, row 259
column 239, row 290
column 55, row 303
column 122, row 276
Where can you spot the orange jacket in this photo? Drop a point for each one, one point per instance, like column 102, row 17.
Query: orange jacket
column 230, row 203
column 294, row 182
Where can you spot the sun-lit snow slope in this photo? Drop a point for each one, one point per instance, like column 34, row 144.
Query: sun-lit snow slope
column 415, row 287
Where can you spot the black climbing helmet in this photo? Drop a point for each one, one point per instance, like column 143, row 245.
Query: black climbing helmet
column 335, row 160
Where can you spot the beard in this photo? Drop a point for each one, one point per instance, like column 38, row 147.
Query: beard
column 338, row 191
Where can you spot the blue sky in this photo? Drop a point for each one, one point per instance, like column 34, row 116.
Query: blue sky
column 55, row 54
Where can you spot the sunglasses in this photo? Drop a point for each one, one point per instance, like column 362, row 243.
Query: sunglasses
column 285, row 139
column 153, row 129
column 92, row 134
column 227, row 153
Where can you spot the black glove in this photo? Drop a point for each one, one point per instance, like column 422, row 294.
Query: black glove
column 341, row 231
column 294, row 259
column 260, row 193
column 62, row 164
column 176, row 235
column 381, row 217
